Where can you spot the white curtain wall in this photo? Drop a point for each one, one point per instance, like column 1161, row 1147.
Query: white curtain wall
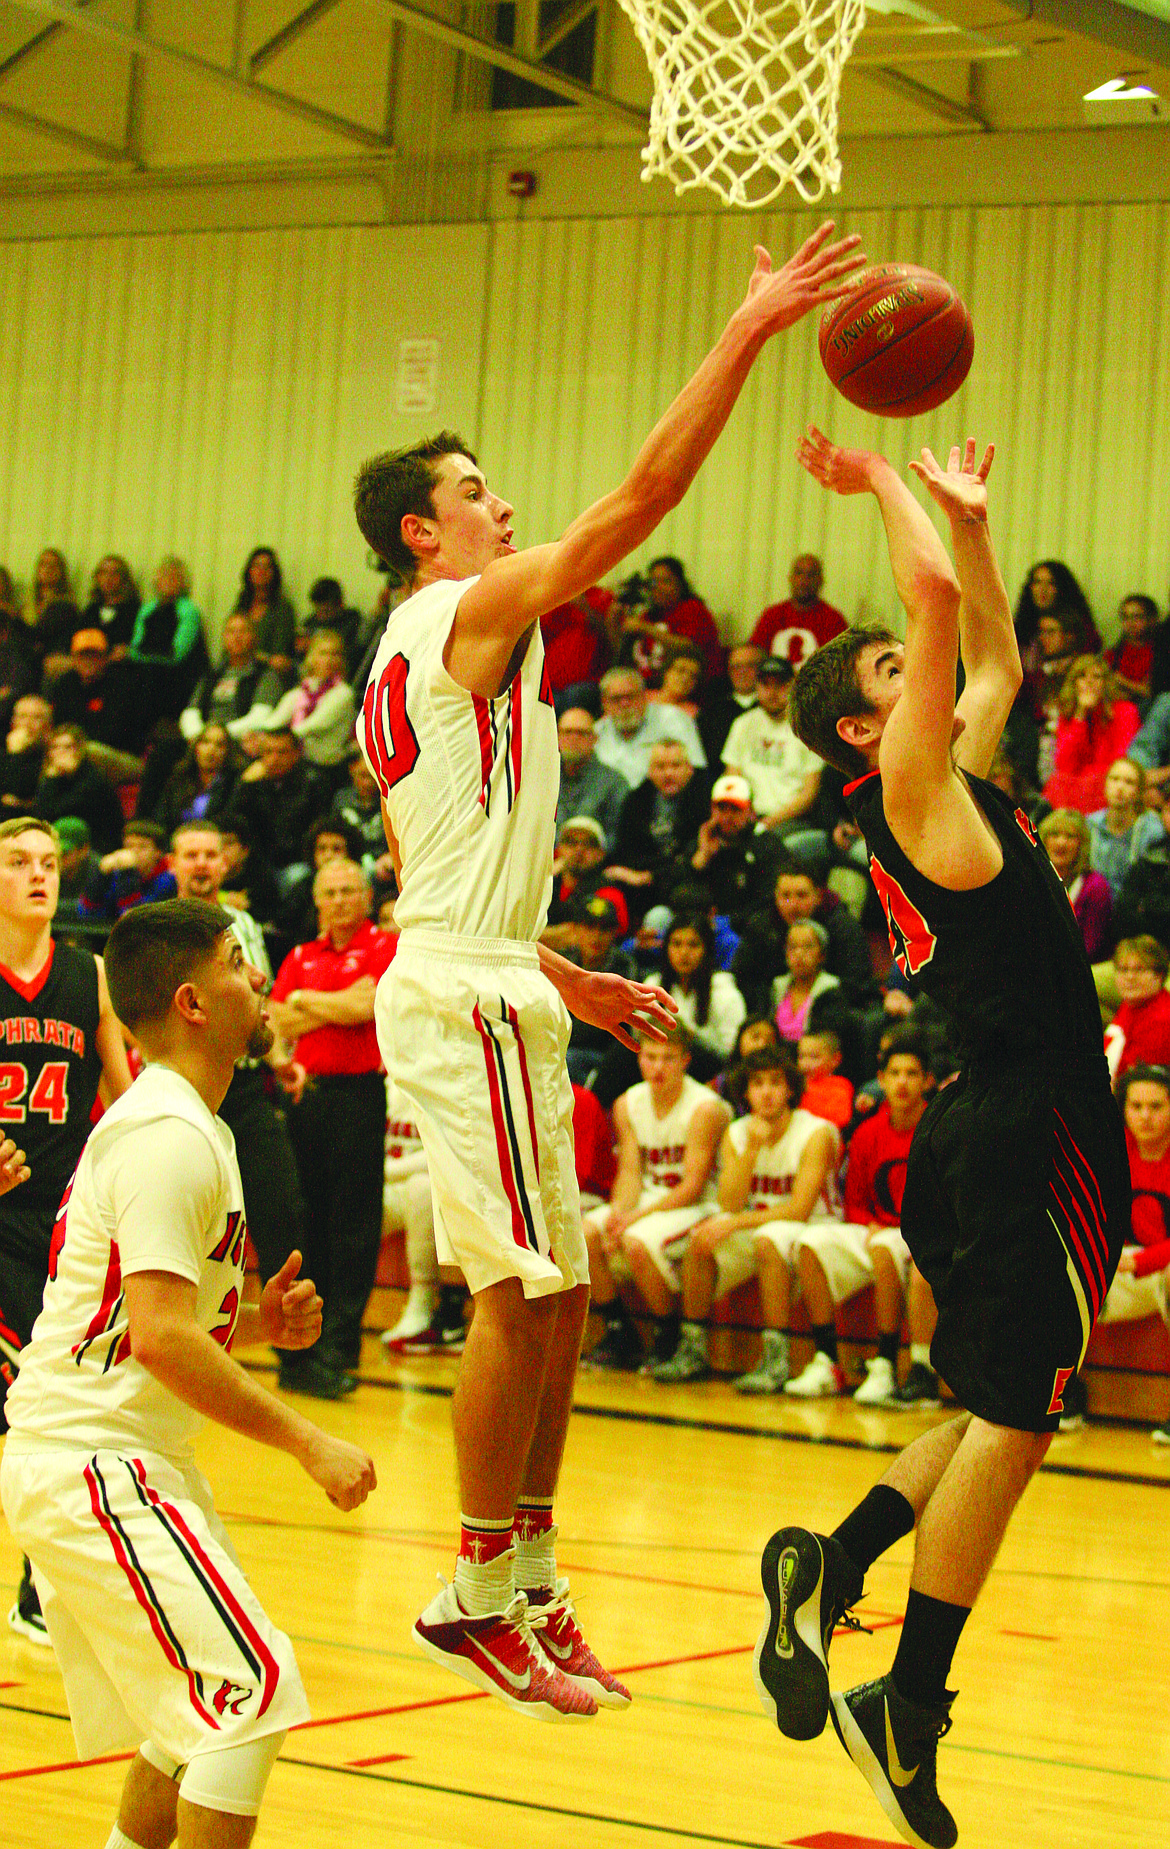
column 204, row 393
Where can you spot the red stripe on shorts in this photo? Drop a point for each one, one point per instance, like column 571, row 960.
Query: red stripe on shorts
column 514, row 1018
column 519, row 1230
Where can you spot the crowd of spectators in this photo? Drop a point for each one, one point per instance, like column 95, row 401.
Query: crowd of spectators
column 698, row 841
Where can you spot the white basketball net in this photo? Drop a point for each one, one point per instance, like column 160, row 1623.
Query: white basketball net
column 745, row 93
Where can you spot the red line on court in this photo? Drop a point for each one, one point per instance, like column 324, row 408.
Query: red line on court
column 1039, row 1637
column 380, row 1759
column 68, row 1765
column 11, row 1684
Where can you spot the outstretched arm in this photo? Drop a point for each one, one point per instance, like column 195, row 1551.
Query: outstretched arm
column 987, row 639
column 514, row 592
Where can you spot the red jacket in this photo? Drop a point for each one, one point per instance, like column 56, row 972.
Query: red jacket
column 1143, row 1029
column 1085, row 748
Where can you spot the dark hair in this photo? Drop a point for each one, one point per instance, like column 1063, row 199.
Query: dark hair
column 827, row 689
column 1142, row 1075
column 325, row 590
column 154, row 949
column 146, row 830
column 691, row 895
column 333, row 825
column 911, row 1043
column 247, row 596
column 400, row 482
column 1147, row 604
column 236, row 823
column 679, row 570
column 701, row 981
column 1071, row 606
column 775, row 1059
column 756, row 1020
column 811, row 866
column 185, row 782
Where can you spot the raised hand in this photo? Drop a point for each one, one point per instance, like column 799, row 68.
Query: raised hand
column 290, row 1309
column 842, row 471
column 818, row 273
column 13, row 1167
column 960, row 489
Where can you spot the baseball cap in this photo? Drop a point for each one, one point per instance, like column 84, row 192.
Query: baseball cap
column 601, row 913
column 735, row 790
column 775, row 668
column 86, row 640
column 72, row 833
column 588, row 824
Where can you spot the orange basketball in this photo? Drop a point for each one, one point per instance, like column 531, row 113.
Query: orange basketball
column 901, row 342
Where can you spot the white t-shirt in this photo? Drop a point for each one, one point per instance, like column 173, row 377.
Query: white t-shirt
column 157, row 1189
column 470, row 784
column 663, row 1140
column 776, row 1164
column 629, row 753
column 769, row 755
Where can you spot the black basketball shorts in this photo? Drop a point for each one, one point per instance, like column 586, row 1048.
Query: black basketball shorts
column 22, row 1286
column 1016, row 1208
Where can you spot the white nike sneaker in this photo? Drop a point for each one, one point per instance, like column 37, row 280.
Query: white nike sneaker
column 500, row 1653
column 878, row 1386
column 416, row 1316
column 822, row 1379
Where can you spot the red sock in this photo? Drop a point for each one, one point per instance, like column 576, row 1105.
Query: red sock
column 533, row 1518
column 481, row 1541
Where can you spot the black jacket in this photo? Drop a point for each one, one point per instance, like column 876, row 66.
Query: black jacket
column 636, row 846
column 760, row 957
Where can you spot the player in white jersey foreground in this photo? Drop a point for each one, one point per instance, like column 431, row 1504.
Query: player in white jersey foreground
column 159, row 1636
column 458, row 729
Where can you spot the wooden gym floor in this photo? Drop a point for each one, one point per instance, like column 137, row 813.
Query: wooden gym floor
column 1062, row 1730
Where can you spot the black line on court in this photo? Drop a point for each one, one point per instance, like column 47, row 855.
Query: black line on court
column 45, row 1714
column 529, row 1804
column 679, row 1422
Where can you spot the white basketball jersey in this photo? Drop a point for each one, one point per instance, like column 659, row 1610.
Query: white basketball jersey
column 157, row 1188
column 777, row 1163
column 470, row 785
column 663, row 1140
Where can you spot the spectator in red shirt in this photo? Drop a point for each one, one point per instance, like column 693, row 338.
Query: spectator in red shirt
column 674, row 610
column 595, row 1156
column 1132, row 659
column 323, row 1005
column 827, row 1093
column 804, row 622
column 1093, row 729
column 574, row 638
column 1139, row 1033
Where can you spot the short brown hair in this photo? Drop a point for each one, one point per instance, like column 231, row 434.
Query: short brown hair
column 1148, row 951
column 1068, row 822
column 396, row 483
column 154, row 949
column 827, row 689
column 21, row 825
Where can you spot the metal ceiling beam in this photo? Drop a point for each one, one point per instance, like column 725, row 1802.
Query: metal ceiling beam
column 933, row 101
column 1105, row 22
column 69, row 13
column 568, row 22
column 289, row 33
column 67, row 137
column 30, row 46
column 504, row 59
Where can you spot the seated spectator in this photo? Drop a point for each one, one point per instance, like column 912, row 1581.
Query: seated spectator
column 71, row 785
column 784, row 775
column 578, row 873
column 588, row 786
column 1124, row 828
column 1007, row 776
column 1093, row 730
column 77, row 866
column 358, row 808
column 52, row 612
column 1141, row 1284
column 801, row 891
column 19, row 671
column 596, row 929
column 630, row 727
column 1132, row 659
column 806, row 979
column 100, row 696
column 431, row 1322
column 328, row 610
column 574, row 637
column 682, row 679
column 1139, row 1033
column 240, row 694
column 320, row 710
column 1150, row 746
column 594, row 1155
column 273, row 619
column 134, row 874
column 668, row 1130
column 1143, row 904
column 672, row 608
column 113, row 604
column 23, row 757
column 281, row 796
column 167, row 645
column 1039, row 695
column 658, row 818
column 202, row 784
column 722, row 707
column 777, row 1171
column 1051, row 593
column 710, row 1005
column 736, row 860
column 326, row 840
column 804, row 622
column 249, row 884
column 1065, row 838
column 839, row 1258
column 827, row 1092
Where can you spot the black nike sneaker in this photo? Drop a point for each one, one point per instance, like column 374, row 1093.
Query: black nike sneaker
column 810, row 1583
column 894, row 1745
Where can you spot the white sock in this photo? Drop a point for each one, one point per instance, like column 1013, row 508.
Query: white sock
column 485, row 1586
column 119, row 1840
column 536, row 1562
column 920, row 1353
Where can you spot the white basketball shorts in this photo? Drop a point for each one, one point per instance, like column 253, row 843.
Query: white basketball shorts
column 157, row 1633
column 664, row 1234
column 473, row 1036
column 842, row 1249
column 1130, row 1298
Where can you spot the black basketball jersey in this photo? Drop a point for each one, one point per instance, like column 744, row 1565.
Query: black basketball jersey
column 49, row 1072
column 1006, row 961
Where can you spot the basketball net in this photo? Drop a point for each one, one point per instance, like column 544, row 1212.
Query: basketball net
column 745, row 93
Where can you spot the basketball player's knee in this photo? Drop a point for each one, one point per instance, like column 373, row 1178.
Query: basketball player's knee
column 232, row 1778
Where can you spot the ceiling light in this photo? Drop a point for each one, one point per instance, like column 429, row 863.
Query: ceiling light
column 1117, row 90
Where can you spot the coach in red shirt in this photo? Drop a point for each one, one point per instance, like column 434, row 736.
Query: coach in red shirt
column 804, row 622
column 323, row 1000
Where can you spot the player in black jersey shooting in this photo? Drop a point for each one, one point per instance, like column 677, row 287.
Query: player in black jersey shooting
column 1016, row 1199
column 59, row 1040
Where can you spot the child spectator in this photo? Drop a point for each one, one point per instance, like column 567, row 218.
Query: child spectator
column 1139, row 1033
column 1124, row 828
column 1093, row 729
column 134, row 874
column 838, row 1259
column 710, row 1005
column 827, row 1092
column 777, row 1170
column 807, row 979
column 1132, row 659
column 1065, row 837
column 668, row 1130
column 757, row 1033
column 596, row 929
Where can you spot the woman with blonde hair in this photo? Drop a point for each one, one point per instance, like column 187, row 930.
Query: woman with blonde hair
column 1064, row 836
column 320, row 709
column 1093, row 729
column 1124, row 828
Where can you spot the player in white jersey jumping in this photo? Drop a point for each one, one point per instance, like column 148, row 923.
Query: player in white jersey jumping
column 458, row 729
column 157, row 1632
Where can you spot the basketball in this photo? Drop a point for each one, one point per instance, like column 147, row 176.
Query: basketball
column 900, row 343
